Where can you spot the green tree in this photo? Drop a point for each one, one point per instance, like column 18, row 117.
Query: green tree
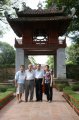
column 50, row 61
column 73, row 54
column 73, row 50
column 49, row 3
column 7, row 54
column 74, row 26
column 3, row 7
column 3, row 4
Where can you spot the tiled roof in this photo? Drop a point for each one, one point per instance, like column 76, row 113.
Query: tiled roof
column 53, row 18
column 31, row 19
column 28, row 11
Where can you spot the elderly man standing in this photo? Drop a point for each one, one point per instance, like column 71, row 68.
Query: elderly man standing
column 29, row 83
column 38, row 80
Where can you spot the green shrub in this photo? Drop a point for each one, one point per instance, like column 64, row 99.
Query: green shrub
column 12, row 89
column 3, row 89
column 75, row 87
column 61, row 84
column 67, row 90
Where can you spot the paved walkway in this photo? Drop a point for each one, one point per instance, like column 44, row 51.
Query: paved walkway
column 59, row 109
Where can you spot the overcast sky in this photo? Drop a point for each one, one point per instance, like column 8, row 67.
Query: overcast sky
column 33, row 3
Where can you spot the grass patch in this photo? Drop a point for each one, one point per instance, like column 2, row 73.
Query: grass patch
column 4, row 94
column 5, row 98
column 72, row 96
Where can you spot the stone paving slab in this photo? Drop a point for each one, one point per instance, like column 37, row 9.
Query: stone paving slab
column 59, row 109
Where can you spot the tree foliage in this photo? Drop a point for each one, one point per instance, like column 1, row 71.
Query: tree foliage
column 50, row 61
column 74, row 26
column 73, row 54
column 3, row 7
column 3, row 4
column 7, row 54
column 73, row 50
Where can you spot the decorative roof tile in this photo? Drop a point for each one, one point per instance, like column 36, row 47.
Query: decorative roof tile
column 28, row 11
column 48, row 18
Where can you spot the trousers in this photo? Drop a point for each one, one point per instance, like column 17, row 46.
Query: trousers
column 29, row 89
column 38, row 83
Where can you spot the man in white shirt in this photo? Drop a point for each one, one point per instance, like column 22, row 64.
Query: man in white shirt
column 38, row 80
column 29, row 83
column 19, row 82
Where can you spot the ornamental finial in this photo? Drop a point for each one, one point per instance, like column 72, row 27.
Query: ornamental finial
column 39, row 5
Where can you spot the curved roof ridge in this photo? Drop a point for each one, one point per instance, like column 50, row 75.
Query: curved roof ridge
column 28, row 11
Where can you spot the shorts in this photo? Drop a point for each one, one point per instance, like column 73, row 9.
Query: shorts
column 20, row 88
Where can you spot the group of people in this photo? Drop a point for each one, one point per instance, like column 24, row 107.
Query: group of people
column 26, row 80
